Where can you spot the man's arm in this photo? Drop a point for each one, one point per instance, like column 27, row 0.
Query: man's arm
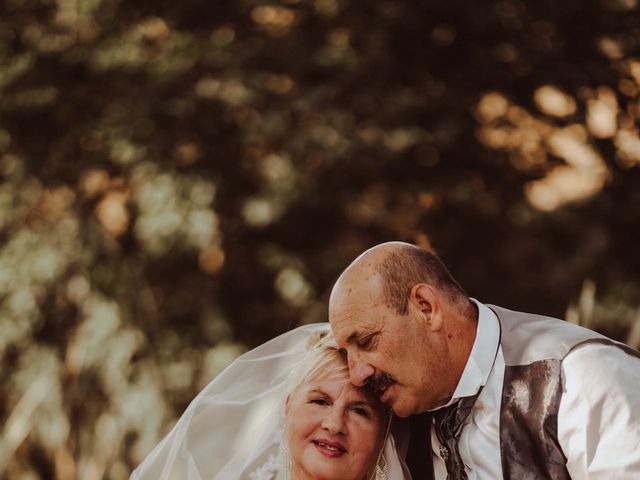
column 599, row 416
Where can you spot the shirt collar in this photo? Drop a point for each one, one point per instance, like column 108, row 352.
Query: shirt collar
column 476, row 372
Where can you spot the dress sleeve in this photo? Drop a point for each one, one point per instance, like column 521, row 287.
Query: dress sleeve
column 599, row 415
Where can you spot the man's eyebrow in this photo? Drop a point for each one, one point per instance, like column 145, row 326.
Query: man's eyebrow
column 352, row 338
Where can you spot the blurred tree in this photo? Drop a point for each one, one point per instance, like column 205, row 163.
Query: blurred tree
column 182, row 181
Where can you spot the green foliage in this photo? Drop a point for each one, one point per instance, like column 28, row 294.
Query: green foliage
column 182, row 181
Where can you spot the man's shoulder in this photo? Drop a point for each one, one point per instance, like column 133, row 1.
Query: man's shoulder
column 527, row 337
column 513, row 320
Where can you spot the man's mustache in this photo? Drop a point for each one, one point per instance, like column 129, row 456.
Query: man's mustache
column 378, row 383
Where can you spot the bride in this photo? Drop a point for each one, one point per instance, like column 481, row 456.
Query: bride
column 283, row 411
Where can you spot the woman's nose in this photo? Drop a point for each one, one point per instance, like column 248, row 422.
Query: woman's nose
column 334, row 421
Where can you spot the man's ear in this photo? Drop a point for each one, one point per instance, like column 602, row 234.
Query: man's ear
column 425, row 300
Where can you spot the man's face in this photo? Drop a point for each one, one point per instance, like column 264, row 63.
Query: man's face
column 398, row 356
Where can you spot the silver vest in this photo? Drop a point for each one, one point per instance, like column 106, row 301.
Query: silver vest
column 534, row 347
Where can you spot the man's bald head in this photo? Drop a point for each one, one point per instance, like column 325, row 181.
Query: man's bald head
column 393, row 269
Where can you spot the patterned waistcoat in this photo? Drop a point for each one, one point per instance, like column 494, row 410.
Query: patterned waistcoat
column 533, row 347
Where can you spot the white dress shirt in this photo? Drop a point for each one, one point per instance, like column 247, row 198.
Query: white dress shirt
column 598, row 417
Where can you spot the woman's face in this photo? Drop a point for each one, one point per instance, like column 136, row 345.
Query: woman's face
column 334, row 429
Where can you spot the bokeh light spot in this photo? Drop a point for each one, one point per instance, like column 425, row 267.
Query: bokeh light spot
column 553, row 101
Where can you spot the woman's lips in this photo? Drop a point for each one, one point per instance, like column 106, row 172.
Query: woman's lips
column 329, row 449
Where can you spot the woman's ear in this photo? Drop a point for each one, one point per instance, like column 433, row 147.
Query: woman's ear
column 286, row 405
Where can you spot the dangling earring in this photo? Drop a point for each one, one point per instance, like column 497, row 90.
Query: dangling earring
column 285, row 459
column 382, row 472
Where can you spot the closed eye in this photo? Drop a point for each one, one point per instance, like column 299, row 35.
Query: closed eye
column 366, row 342
column 320, row 401
column 362, row 411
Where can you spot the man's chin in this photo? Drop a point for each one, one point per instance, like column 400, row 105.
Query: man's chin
column 400, row 409
column 402, row 413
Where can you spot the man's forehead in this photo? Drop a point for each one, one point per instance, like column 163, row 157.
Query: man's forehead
column 352, row 305
column 348, row 328
column 354, row 293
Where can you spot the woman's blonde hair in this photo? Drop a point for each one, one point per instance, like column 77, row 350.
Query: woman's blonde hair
column 322, row 359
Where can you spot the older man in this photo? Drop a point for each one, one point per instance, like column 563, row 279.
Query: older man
column 506, row 394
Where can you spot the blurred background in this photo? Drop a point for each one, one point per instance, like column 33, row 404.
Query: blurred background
column 182, row 181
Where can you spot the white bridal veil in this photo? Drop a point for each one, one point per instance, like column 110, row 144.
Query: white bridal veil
column 233, row 429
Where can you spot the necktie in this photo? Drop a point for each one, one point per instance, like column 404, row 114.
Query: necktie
column 449, row 422
column 419, row 460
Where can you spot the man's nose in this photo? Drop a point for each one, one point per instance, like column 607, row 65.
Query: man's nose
column 334, row 421
column 359, row 371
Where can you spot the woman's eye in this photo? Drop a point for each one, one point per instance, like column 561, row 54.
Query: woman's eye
column 319, row 401
column 363, row 412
